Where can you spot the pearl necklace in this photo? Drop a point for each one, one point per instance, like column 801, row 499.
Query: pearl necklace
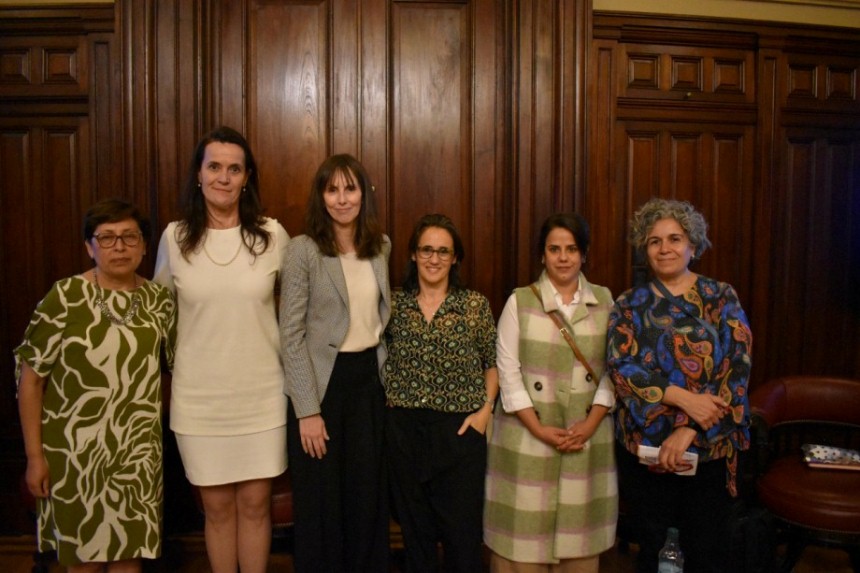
column 100, row 302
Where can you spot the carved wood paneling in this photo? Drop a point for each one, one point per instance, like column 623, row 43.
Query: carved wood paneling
column 697, row 74
column 815, row 254
column 549, row 46
column 289, row 101
column 431, row 163
column 44, row 193
column 767, row 150
column 709, row 166
column 411, row 88
column 55, row 159
column 178, row 97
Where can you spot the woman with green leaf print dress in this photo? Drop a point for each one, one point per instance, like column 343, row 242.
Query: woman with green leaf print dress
column 89, row 396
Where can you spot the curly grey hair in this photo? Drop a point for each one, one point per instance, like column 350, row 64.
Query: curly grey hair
column 684, row 213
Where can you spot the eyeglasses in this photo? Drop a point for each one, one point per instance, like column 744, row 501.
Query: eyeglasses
column 427, row 251
column 128, row 239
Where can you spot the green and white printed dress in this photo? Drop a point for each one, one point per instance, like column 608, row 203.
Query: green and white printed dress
column 101, row 419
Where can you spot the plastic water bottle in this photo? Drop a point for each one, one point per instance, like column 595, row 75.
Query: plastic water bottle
column 671, row 560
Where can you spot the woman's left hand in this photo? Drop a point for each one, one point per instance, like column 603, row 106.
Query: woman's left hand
column 479, row 420
column 578, row 434
column 672, row 449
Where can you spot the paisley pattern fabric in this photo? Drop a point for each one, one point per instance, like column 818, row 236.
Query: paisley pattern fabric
column 653, row 345
column 439, row 365
column 101, row 419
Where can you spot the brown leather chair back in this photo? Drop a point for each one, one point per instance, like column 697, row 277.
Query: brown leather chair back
column 808, row 398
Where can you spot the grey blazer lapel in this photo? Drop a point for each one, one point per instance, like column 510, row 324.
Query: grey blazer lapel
column 380, row 268
column 335, row 272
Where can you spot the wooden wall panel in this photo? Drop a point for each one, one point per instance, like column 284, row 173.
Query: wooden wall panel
column 815, row 255
column 177, row 100
column 445, row 136
column 49, row 190
column 731, row 207
column 431, row 102
column 289, row 107
column 764, row 142
column 105, row 118
column 46, row 188
column 16, row 228
column 548, row 51
column 316, row 82
column 608, row 219
column 709, row 167
column 56, row 156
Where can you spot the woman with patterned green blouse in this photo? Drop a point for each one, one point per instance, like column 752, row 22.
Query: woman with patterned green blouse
column 440, row 383
column 89, row 396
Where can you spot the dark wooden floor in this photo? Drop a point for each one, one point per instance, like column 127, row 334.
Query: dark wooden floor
column 187, row 554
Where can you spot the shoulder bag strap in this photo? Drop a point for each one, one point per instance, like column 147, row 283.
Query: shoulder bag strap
column 674, row 300
column 567, row 336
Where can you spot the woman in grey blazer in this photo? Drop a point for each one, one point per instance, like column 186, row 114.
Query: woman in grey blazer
column 335, row 304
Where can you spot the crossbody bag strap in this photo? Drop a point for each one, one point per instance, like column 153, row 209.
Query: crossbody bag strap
column 566, row 334
column 677, row 302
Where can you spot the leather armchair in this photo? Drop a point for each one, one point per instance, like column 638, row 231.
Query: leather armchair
column 812, row 505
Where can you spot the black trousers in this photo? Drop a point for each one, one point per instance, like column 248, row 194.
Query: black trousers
column 340, row 502
column 698, row 506
column 437, row 488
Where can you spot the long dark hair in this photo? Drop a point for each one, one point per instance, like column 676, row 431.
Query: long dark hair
column 436, row 220
column 192, row 228
column 318, row 222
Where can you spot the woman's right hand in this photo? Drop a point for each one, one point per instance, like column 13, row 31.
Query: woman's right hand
column 705, row 409
column 557, row 438
column 314, row 436
column 37, row 477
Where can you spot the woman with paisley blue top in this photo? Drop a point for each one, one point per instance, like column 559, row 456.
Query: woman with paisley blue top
column 89, row 396
column 440, row 385
column 679, row 355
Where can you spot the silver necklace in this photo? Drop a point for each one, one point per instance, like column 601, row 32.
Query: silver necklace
column 100, row 302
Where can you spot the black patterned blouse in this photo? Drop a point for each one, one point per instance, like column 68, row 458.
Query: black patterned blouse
column 439, row 365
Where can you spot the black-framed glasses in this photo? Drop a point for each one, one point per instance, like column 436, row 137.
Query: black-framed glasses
column 108, row 240
column 427, row 251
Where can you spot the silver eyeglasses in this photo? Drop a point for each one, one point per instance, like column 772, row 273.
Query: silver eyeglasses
column 427, row 251
column 107, row 241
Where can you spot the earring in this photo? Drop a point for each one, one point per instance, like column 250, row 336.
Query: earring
column 243, row 189
column 198, row 184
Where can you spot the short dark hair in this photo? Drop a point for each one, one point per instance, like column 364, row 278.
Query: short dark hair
column 439, row 221
column 114, row 210
column 318, row 222
column 573, row 222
